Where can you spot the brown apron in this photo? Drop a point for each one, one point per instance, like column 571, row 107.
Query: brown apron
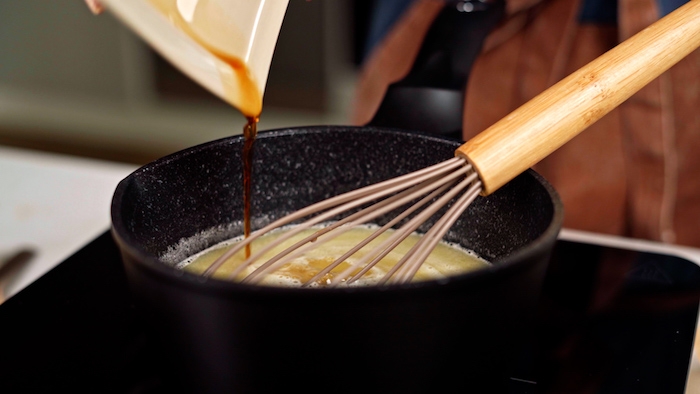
column 636, row 172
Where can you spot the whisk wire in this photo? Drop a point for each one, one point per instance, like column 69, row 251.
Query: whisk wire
column 415, row 222
column 378, row 232
column 398, row 236
column 360, row 217
column 381, row 189
column 435, row 234
column 331, row 231
column 438, row 184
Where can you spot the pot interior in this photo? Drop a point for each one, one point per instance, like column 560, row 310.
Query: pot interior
column 199, row 190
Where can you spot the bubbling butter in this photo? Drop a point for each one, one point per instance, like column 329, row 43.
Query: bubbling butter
column 445, row 260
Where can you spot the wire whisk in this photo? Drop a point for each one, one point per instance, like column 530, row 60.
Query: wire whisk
column 440, row 183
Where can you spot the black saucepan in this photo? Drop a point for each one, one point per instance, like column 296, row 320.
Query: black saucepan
column 440, row 336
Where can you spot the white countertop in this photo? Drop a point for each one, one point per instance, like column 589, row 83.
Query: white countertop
column 53, row 204
column 691, row 254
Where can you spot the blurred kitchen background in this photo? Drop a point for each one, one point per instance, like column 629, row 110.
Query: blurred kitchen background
column 75, row 83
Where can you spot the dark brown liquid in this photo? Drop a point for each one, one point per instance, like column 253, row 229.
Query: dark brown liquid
column 249, row 132
column 247, row 97
column 250, row 96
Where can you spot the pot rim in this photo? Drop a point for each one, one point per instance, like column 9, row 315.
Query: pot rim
column 151, row 265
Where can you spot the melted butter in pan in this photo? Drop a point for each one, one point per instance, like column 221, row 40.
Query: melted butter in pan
column 444, row 261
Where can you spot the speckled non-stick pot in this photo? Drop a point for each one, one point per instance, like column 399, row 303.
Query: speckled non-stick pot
column 452, row 335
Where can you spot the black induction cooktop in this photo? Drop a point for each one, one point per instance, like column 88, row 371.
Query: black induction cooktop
column 609, row 321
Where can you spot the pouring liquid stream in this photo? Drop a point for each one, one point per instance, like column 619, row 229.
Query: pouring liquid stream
column 250, row 130
column 252, row 97
column 246, row 98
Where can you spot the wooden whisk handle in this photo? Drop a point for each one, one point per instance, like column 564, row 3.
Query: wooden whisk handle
column 548, row 121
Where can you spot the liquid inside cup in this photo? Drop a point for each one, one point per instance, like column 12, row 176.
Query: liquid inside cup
column 445, row 260
column 224, row 29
